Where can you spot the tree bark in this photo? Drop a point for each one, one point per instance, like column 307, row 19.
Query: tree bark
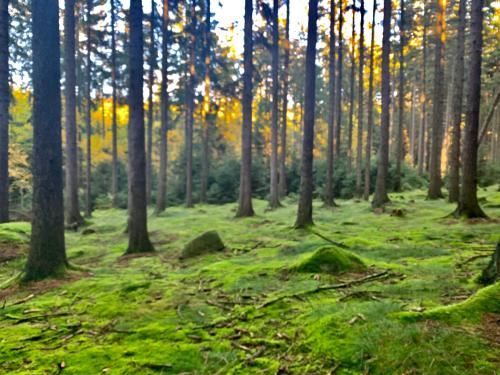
column 351, row 91
column 381, row 198
column 423, row 123
column 304, row 212
column 73, row 215
column 4, row 111
column 274, row 201
column 435, row 182
column 338, row 93
column 245, row 195
column 114, row 135
column 282, row 161
column 161, row 199
column 138, row 240
column 456, row 107
column 401, row 96
column 47, row 255
column 468, row 205
column 369, row 131
column 88, row 123
column 205, row 160
column 413, row 129
column 484, row 127
column 190, row 108
column 329, row 191
column 361, row 113
column 152, row 67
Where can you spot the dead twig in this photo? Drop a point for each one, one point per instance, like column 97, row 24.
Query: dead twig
column 472, row 259
column 339, row 244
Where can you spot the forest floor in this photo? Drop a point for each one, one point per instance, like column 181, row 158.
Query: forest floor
column 246, row 311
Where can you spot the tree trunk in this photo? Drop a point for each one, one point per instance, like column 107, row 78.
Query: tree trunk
column 304, row 213
column 4, row 111
column 72, row 207
column 359, row 156
column 282, row 162
column 152, row 67
column 114, row 141
column 413, row 129
column 190, row 109
column 437, row 107
column 88, row 124
column 47, row 255
column 484, row 127
column 381, row 198
column 161, row 199
column 138, row 240
column 351, row 90
column 329, row 192
column 245, row 195
column 338, row 94
column 368, row 151
column 401, row 96
column 468, row 205
column 423, row 123
column 206, row 109
column 456, row 107
column 274, row 201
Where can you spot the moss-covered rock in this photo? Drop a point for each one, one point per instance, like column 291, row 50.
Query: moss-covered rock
column 329, row 259
column 206, row 243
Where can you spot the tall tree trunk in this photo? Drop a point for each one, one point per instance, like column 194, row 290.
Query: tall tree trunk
column 245, row 195
column 72, row 207
column 351, row 90
column 381, row 198
column 401, row 97
column 329, row 192
column 274, row 201
column 152, row 67
column 338, row 91
column 304, row 212
column 88, row 124
column 413, row 129
column 190, row 108
column 4, row 111
column 456, row 107
column 47, row 255
column 205, row 160
column 468, row 205
column 359, row 156
column 489, row 116
column 161, row 199
column 114, row 135
column 423, row 123
column 138, row 240
column 369, row 131
column 437, row 107
column 282, row 161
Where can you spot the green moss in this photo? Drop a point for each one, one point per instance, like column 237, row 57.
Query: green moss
column 329, row 259
column 205, row 243
column 15, row 232
column 486, row 300
column 145, row 314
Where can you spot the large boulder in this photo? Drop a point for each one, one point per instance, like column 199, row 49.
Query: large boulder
column 208, row 242
column 329, row 259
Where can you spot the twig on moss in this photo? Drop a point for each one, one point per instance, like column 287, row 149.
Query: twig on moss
column 472, row 259
column 320, row 288
column 339, row 244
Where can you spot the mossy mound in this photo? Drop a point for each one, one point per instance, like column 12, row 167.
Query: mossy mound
column 486, row 300
column 206, row 243
column 329, row 259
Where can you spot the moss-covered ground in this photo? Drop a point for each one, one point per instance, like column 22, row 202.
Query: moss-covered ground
column 222, row 313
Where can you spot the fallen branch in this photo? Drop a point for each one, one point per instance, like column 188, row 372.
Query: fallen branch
column 321, row 288
column 339, row 244
column 22, row 300
column 472, row 259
